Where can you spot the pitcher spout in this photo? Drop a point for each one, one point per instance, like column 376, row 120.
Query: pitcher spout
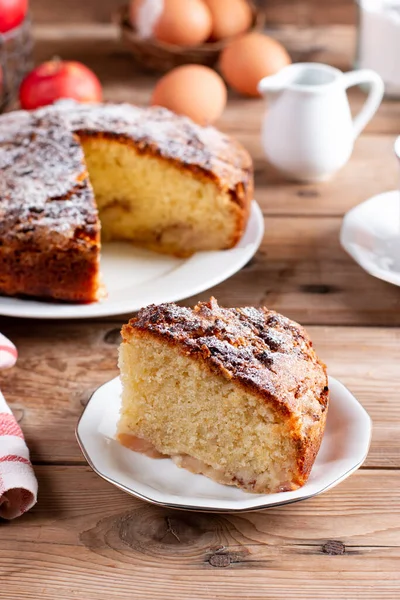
column 270, row 84
column 309, row 77
column 273, row 83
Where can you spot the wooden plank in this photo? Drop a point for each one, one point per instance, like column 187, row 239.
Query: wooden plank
column 60, row 364
column 298, row 12
column 302, row 271
column 86, row 539
column 335, row 44
column 310, row 12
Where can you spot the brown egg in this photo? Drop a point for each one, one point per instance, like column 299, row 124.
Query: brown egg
column 230, row 17
column 246, row 60
column 192, row 90
column 179, row 22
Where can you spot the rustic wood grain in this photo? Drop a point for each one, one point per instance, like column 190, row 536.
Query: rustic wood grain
column 61, row 364
column 86, row 539
column 298, row 12
column 306, row 13
column 334, row 44
column 302, row 271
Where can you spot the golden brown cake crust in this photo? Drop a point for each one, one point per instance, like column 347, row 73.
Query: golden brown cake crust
column 49, row 227
column 261, row 350
column 160, row 132
column 46, row 201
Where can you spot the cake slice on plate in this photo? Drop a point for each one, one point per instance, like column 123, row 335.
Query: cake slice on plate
column 236, row 394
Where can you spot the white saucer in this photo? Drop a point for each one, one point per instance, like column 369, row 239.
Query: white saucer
column 135, row 278
column 371, row 235
column 159, row 481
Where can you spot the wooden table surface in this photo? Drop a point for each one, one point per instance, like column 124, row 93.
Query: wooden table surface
column 87, row 540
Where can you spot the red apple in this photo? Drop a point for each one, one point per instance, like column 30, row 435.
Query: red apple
column 57, row 79
column 12, row 13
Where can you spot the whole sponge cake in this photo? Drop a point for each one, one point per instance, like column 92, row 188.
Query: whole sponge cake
column 151, row 177
column 238, row 395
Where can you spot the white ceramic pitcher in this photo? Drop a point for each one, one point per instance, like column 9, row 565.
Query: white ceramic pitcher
column 308, row 131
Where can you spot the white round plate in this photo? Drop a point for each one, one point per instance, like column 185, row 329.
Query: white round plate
column 135, row 277
column 159, row 481
column 371, row 235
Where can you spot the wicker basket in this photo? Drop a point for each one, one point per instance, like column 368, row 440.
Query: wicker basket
column 15, row 61
column 159, row 56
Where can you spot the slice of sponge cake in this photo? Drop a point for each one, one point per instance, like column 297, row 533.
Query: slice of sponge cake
column 238, row 395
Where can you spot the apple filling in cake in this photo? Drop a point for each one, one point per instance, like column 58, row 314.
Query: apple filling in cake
column 238, row 395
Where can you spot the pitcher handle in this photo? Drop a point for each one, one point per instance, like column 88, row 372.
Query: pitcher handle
column 373, row 100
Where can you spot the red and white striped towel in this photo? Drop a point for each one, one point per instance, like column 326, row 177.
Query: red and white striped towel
column 18, row 485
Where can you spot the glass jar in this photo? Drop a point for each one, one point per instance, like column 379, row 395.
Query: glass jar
column 15, row 61
column 378, row 43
